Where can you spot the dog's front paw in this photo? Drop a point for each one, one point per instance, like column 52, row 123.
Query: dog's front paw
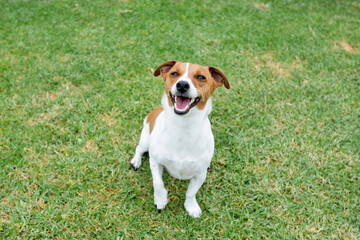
column 160, row 198
column 193, row 208
column 135, row 163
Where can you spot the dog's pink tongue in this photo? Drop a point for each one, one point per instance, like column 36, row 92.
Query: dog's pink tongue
column 182, row 102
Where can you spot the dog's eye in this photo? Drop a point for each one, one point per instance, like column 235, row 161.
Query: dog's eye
column 174, row 74
column 201, row 77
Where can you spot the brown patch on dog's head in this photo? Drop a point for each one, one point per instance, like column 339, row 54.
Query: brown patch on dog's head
column 164, row 71
column 206, row 80
column 164, row 68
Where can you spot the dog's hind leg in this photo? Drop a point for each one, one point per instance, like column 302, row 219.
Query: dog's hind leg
column 142, row 147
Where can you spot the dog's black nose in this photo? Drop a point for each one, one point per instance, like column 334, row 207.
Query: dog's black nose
column 182, row 86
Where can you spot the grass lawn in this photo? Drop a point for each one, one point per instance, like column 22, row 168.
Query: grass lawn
column 76, row 83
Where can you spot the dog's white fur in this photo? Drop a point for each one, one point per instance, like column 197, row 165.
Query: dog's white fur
column 183, row 144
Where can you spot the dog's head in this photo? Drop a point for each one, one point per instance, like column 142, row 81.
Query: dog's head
column 189, row 85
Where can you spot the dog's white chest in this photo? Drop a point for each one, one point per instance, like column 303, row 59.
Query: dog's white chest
column 183, row 151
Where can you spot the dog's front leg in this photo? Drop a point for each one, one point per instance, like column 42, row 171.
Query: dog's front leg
column 160, row 193
column 191, row 205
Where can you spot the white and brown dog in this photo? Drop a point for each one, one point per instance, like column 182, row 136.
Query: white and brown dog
column 178, row 135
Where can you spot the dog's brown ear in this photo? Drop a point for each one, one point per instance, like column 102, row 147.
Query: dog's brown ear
column 219, row 77
column 164, row 68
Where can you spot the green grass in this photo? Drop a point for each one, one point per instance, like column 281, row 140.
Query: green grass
column 76, row 82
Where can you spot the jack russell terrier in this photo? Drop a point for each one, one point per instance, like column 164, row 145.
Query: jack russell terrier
column 178, row 135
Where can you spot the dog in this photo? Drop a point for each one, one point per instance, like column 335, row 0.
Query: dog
column 178, row 135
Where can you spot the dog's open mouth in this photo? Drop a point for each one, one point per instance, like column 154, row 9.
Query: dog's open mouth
column 182, row 105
